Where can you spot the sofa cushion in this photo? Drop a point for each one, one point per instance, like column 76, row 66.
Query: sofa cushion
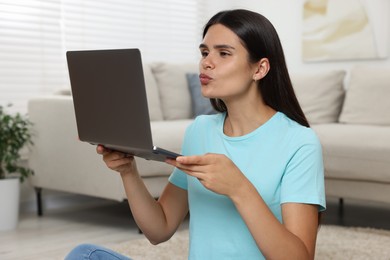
column 200, row 104
column 320, row 94
column 172, row 86
column 367, row 98
column 154, row 104
column 355, row 152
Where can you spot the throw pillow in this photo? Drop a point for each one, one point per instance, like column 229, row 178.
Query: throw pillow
column 153, row 97
column 200, row 104
column 320, row 95
column 173, row 91
column 367, row 98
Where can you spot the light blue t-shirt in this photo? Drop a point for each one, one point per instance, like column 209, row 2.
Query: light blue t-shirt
column 281, row 158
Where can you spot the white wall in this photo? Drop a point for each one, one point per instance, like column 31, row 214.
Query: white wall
column 286, row 16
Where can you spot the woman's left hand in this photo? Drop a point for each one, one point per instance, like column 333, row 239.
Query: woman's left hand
column 215, row 171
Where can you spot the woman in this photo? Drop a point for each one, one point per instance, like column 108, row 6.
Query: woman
column 252, row 175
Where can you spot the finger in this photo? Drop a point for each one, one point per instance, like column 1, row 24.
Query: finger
column 113, row 156
column 194, row 159
column 115, row 164
column 188, row 169
column 170, row 161
column 194, row 171
column 191, row 167
column 120, row 155
column 100, row 149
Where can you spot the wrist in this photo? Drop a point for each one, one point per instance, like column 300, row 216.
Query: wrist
column 243, row 192
column 129, row 172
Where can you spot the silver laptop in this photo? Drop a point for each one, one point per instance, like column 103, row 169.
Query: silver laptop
column 110, row 101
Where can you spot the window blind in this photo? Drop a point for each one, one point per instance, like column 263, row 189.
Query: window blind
column 35, row 35
column 30, row 49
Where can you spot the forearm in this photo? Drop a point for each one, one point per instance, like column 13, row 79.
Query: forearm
column 147, row 212
column 273, row 238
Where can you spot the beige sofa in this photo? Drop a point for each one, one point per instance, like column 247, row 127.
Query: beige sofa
column 356, row 136
column 354, row 129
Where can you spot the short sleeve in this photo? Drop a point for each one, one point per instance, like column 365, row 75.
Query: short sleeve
column 303, row 180
column 178, row 177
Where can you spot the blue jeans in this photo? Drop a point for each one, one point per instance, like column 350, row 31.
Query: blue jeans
column 94, row 252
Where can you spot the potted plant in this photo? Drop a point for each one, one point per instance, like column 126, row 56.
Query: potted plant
column 14, row 135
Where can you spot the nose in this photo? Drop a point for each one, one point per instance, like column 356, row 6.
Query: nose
column 206, row 63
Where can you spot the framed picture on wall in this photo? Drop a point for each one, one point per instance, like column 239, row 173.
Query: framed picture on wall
column 345, row 30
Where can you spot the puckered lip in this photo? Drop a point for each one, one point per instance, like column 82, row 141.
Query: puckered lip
column 204, row 79
column 204, row 76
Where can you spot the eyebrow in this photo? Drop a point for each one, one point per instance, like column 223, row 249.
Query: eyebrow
column 218, row 46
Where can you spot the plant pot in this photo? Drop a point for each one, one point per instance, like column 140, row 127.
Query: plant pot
column 9, row 203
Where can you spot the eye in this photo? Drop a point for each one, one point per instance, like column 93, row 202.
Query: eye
column 224, row 53
column 204, row 53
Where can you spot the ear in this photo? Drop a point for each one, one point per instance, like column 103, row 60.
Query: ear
column 262, row 68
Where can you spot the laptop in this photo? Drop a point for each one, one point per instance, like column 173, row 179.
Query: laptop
column 110, row 101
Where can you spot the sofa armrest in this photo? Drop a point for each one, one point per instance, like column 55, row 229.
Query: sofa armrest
column 62, row 162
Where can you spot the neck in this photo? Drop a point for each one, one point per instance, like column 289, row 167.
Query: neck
column 241, row 122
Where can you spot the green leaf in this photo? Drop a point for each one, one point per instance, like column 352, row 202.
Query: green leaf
column 15, row 133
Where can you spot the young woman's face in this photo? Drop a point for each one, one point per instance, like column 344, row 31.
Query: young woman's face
column 225, row 71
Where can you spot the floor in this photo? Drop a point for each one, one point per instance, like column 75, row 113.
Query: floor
column 83, row 219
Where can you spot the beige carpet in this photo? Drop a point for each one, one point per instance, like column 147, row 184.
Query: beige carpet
column 333, row 242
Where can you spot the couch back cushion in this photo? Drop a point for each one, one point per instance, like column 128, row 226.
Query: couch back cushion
column 154, row 103
column 367, row 98
column 320, row 94
column 173, row 89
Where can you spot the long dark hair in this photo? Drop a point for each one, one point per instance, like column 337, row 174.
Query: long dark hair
column 261, row 40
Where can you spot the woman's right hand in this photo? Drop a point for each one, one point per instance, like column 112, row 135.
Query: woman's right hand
column 117, row 161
